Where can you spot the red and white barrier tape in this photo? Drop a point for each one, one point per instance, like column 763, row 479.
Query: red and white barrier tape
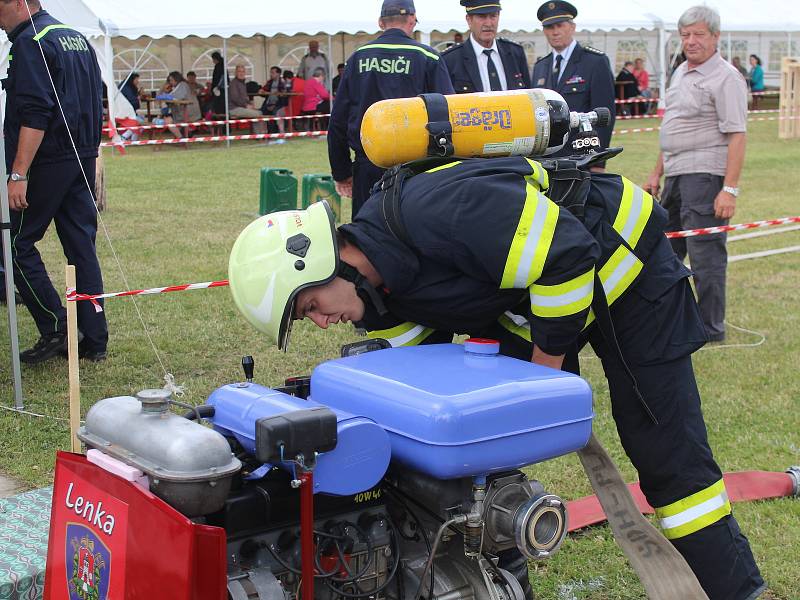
column 221, row 122
column 214, row 138
column 636, row 101
column 73, row 296
column 723, row 228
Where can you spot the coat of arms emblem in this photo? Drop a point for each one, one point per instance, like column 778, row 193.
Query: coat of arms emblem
column 89, row 560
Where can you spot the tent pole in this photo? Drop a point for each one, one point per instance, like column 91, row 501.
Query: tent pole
column 112, row 113
column 225, row 85
column 5, row 225
column 266, row 58
column 329, row 68
column 662, row 67
column 730, row 49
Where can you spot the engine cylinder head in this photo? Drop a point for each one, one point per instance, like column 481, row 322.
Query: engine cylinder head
column 540, row 526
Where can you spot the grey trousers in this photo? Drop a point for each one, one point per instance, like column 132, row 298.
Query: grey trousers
column 689, row 200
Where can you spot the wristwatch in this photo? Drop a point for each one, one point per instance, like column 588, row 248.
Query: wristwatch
column 733, row 191
column 17, row 177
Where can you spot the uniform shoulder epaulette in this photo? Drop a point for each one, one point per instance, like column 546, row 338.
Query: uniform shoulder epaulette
column 594, row 50
column 451, row 48
column 545, row 57
column 507, row 41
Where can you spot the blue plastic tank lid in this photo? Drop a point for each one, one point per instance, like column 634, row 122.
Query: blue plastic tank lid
column 481, row 346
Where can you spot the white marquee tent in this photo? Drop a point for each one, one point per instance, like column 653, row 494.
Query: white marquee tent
column 103, row 20
column 182, row 18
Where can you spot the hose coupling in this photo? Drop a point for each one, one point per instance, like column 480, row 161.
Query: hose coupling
column 794, row 473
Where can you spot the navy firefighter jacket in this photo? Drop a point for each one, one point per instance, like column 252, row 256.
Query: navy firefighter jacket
column 391, row 66
column 30, row 99
column 487, row 248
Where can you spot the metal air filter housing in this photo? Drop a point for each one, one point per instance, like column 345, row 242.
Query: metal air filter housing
column 189, row 466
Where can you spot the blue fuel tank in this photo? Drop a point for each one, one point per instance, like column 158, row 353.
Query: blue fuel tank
column 362, row 452
column 457, row 411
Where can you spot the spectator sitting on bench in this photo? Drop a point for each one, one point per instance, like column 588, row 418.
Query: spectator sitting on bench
column 239, row 104
column 628, row 88
column 273, row 104
column 180, row 112
column 643, row 81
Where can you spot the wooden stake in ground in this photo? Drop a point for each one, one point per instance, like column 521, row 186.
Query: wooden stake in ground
column 72, row 357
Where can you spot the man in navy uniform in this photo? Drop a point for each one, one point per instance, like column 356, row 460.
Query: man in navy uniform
column 51, row 147
column 581, row 74
column 394, row 65
column 486, row 63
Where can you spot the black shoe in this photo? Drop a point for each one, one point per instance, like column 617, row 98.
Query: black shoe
column 17, row 299
column 86, row 353
column 92, row 355
column 46, row 348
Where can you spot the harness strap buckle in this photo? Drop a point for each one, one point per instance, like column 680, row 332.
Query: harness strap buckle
column 440, row 142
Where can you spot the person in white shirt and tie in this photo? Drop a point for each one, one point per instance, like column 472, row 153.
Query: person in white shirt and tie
column 485, row 62
column 581, row 74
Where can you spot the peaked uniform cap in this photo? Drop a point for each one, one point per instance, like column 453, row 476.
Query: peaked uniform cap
column 556, row 11
column 481, row 7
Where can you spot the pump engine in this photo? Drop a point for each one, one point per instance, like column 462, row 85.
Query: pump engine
column 412, row 455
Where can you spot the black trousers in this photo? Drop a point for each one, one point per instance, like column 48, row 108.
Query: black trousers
column 689, row 199
column 365, row 175
column 658, row 329
column 58, row 193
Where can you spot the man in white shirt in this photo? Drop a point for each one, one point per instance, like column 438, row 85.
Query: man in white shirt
column 485, row 62
column 581, row 74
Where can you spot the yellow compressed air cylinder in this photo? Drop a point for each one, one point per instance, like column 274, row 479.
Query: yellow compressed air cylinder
column 515, row 122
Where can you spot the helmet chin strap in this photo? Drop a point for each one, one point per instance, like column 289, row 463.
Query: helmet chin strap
column 365, row 291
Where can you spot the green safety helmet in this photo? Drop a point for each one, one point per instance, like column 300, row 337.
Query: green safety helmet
column 274, row 258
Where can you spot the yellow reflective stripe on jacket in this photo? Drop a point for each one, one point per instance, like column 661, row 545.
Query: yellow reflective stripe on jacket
column 619, row 272
column 694, row 512
column 47, row 29
column 401, row 47
column 634, row 212
column 441, row 167
column 406, row 334
column 617, row 275
column 563, row 299
column 531, row 241
column 515, row 324
column 539, row 174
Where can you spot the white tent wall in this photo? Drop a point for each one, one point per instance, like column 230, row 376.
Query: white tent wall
column 183, row 29
column 260, row 53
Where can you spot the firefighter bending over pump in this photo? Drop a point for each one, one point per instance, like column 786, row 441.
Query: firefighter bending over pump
column 479, row 247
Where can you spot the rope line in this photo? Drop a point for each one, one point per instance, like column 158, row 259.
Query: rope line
column 91, row 191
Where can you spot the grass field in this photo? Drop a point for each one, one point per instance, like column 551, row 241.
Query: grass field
column 174, row 214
